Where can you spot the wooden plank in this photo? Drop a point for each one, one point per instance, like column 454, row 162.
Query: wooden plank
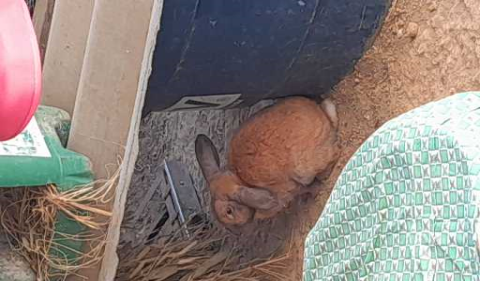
column 39, row 16
column 64, row 56
column 109, row 81
column 110, row 261
column 108, row 269
column 110, row 99
column 42, row 19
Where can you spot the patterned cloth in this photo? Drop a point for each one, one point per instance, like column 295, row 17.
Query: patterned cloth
column 406, row 205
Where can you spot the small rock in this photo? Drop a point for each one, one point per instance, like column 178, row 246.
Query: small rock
column 422, row 48
column 412, row 30
column 433, row 6
column 357, row 80
column 399, row 32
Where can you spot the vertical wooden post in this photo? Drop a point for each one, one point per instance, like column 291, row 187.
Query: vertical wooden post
column 64, row 56
column 42, row 19
column 110, row 98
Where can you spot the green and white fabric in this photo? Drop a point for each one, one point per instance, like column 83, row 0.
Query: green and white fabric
column 406, row 206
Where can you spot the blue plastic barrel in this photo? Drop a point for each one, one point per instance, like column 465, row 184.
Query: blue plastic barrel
column 225, row 53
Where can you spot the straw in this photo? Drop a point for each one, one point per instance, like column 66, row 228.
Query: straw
column 29, row 216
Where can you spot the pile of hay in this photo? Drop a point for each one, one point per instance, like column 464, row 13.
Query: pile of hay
column 28, row 217
column 206, row 255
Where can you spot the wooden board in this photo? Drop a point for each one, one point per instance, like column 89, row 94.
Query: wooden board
column 64, row 56
column 110, row 262
column 42, row 19
column 110, row 100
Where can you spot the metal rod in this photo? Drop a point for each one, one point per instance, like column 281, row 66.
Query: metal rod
column 176, row 201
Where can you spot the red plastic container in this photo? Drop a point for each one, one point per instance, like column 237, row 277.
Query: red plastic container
column 20, row 69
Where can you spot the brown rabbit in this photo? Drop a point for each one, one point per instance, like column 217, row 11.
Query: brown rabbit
column 278, row 154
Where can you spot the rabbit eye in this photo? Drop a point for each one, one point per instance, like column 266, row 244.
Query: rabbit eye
column 229, row 211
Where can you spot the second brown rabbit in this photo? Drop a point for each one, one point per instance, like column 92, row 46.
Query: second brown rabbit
column 281, row 152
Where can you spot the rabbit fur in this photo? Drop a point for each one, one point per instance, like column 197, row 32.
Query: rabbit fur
column 281, row 152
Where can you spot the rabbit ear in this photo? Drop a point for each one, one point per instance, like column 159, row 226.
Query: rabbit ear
column 207, row 157
column 255, row 198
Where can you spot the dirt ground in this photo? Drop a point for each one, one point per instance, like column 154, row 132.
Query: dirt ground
column 426, row 50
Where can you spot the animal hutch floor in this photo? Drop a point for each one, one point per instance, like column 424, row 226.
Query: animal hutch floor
column 427, row 50
column 12, row 266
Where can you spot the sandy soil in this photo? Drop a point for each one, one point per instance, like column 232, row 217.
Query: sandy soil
column 427, row 50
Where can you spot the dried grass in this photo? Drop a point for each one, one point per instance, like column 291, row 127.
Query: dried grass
column 204, row 256
column 28, row 216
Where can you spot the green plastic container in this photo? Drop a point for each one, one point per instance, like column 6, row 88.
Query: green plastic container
column 38, row 157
